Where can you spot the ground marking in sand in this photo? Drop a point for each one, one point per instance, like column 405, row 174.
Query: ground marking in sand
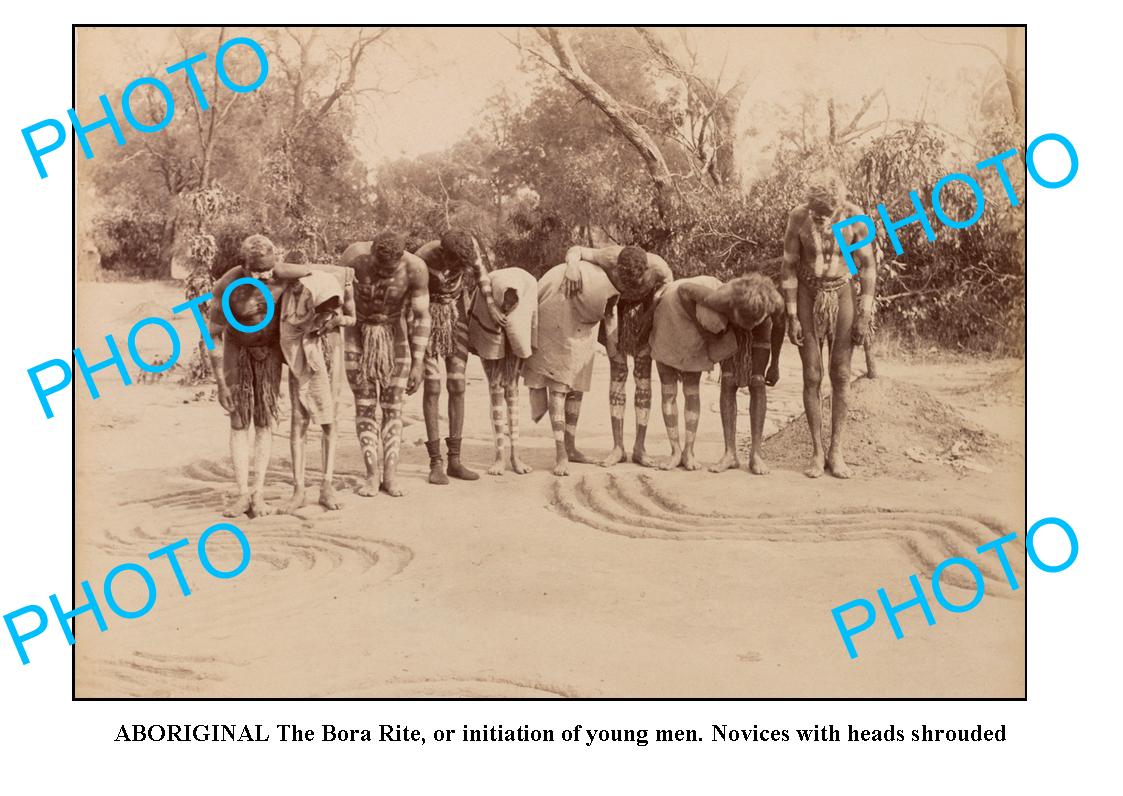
column 921, row 599
column 64, row 617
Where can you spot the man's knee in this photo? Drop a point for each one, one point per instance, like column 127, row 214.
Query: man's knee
column 618, row 369
column 812, row 374
column 840, row 373
column 456, row 386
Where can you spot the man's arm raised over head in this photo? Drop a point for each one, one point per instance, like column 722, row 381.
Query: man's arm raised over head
column 603, row 258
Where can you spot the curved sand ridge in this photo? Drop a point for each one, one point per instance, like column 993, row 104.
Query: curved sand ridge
column 632, row 506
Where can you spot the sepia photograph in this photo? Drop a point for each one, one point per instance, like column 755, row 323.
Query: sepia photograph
column 550, row 362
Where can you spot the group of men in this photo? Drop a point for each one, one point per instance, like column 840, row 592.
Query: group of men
column 389, row 322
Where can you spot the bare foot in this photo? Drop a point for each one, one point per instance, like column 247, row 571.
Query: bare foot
column 727, row 462
column 577, row 457
column 498, row 467
column 757, row 465
column 640, row 457
column 615, row 457
column 837, row 466
column 293, row 503
column 672, row 461
column 369, row 488
column 237, row 507
column 258, row 506
column 815, row 468
column 689, row 462
column 519, row 466
column 328, row 499
column 392, row 489
column 561, row 467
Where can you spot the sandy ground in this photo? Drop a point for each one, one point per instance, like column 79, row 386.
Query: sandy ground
column 609, row 583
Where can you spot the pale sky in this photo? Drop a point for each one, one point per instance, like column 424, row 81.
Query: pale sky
column 443, row 76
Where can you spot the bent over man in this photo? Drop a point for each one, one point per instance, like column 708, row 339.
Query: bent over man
column 451, row 261
column 562, row 364
column 247, row 365
column 314, row 310
column 638, row 276
column 821, row 308
column 384, row 358
column 755, row 311
column 503, row 349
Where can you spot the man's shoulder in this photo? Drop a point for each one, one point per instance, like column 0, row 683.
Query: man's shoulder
column 231, row 274
column 799, row 214
column 846, row 210
column 415, row 267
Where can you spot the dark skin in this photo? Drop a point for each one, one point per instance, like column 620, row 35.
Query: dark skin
column 657, row 274
column 330, row 316
column 852, row 327
column 273, row 273
column 721, row 301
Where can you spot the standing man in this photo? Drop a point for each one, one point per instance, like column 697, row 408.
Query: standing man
column 821, row 308
column 638, row 276
column 314, row 311
column 385, row 360
column 247, row 365
column 450, row 260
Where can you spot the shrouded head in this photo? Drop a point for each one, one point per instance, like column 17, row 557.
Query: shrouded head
column 753, row 298
column 458, row 245
column 631, row 270
column 387, row 249
column 259, row 255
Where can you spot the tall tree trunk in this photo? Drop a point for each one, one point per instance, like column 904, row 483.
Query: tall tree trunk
column 570, row 68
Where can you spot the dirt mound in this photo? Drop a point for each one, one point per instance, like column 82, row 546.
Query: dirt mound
column 895, row 429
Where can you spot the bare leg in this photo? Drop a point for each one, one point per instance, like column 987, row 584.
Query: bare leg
column 617, row 400
column 812, row 356
column 668, row 384
column 366, row 428
column 841, row 354
column 298, row 438
column 691, row 390
column 557, row 424
column 262, row 448
column 641, row 370
column 758, row 408
column 871, row 363
column 572, row 413
column 391, row 439
column 240, row 455
column 728, row 404
column 328, row 498
column 499, row 426
column 512, row 398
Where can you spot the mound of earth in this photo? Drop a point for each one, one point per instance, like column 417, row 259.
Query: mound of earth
column 895, row 429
